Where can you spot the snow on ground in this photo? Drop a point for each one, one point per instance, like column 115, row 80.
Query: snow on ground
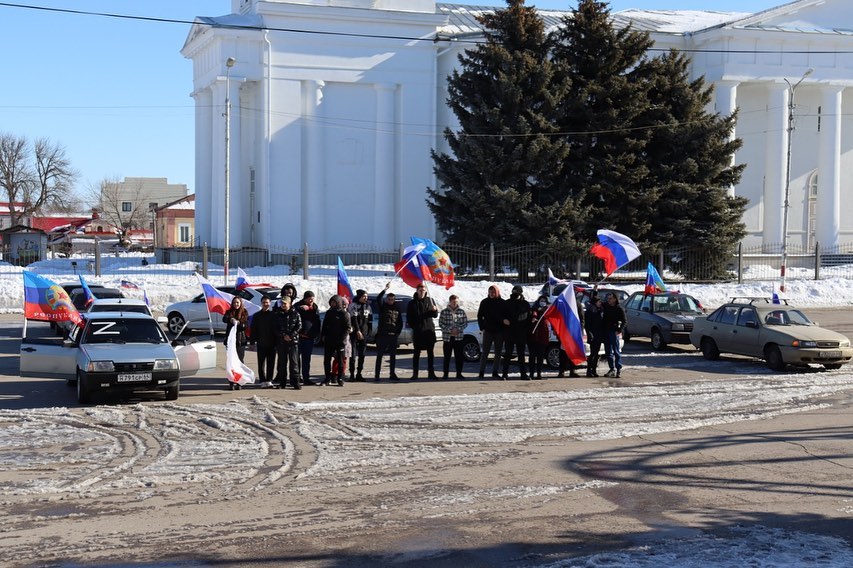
column 166, row 284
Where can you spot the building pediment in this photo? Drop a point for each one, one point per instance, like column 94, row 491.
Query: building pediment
column 806, row 16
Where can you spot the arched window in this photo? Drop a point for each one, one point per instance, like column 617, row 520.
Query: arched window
column 812, row 208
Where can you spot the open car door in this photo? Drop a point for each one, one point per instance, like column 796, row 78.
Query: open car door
column 46, row 357
column 195, row 354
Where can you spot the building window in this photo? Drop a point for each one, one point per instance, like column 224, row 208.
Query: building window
column 184, row 233
column 152, row 205
column 126, row 206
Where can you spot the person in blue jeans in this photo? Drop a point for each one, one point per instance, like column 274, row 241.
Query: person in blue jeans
column 612, row 324
column 310, row 315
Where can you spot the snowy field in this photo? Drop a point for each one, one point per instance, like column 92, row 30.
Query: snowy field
column 417, row 458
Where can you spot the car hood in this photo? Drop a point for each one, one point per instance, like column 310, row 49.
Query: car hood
column 806, row 332
column 675, row 317
column 128, row 352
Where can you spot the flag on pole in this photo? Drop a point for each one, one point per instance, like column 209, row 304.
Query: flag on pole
column 145, row 298
column 243, row 281
column 654, row 283
column 437, row 262
column 411, row 267
column 87, row 292
column 235, row 370
column 344, row 287
column 44, row 300
column 566, row 322
column 615, row 249
column 218, row 302
column 552, row 280
column 129, row 285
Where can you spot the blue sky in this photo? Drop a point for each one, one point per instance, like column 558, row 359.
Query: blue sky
column 115, row 92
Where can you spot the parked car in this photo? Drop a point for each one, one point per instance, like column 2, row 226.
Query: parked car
column 114, row 352
column 193, row 313
column 666, row 317
column 402, row 302
column 585, row 294
column 551, row 292
column 778, row 333
column 78, row 295
column 126, row 305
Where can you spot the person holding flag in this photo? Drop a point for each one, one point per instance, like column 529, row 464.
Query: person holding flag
column 236, row 318
column 613, row 320
column 420, row 315
column 517, row 326
column 565, row 319
column 389, row 326
column 362, row 324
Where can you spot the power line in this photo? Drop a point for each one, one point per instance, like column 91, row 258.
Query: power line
column 437, row 37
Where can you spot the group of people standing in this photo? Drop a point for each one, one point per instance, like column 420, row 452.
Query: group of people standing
column 286, row 333
column 510, row 325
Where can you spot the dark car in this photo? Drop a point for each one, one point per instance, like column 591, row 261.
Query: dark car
column 666, row 317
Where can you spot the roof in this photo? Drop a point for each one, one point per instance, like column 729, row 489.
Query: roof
column 186, row 203
column 462, row 19
column 49, row 224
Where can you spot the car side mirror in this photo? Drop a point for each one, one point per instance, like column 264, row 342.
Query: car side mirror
column 752, row 324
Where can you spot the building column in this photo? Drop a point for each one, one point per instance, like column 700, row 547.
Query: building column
column 203, row 180
column 726, row 105
column 217, row 165
column 775, row 165
column 313, row 185
column 828, row 222
column 385, row 199
column 237, row 198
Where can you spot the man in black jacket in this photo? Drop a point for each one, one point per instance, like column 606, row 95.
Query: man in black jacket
column 388, row 330
column 490, row 319
column 613, row 322
column 262, row 334
column 287, row 326
column 420, row 316
column 594, row 324
column 361, row 317
column 310, row 331
column 517, row 325
column 334, row 333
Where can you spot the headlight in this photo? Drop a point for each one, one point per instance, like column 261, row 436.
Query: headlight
column 165, row 364
column 845, row 343
column 100, row 367
column 678, row 327
column 798, row 343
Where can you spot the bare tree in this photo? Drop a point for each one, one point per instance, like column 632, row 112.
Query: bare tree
column 123, row 205
column 33, row 176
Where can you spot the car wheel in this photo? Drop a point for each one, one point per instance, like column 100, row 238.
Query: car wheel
column 709, row 349
column 176, row 322
column 832, row 366
column 83, row 394
column 471, row 350
column 657, row 340
column 172, row 392
column 774, row 358
column 552, row 356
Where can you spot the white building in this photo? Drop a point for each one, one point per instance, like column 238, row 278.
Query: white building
column 336, row 104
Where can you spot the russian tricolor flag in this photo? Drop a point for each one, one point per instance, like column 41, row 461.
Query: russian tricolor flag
column 219, row 302
column 616, row 250
column 564, row 318
column 243, row 281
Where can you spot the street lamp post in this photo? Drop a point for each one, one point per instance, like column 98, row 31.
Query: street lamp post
column 786, row 204
column 229, row 63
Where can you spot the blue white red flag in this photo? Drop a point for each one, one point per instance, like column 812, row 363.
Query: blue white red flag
column 243, row 281
column 411, row 267
column 44, row 300
column 615, row 249
column 129, row 285
column 218, row 302
column 654, row 283
column 552, row 280
column 437, row 262
column 564, row 319
column 87, row 292
column 235, row 370
column 344, row 287
column 145, row 298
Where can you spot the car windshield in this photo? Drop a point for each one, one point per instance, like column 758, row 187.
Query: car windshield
column 136, row 309
column 124, row 331
column 786, row 317
column 679, row 303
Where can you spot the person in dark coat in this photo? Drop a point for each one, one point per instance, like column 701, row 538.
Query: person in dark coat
column 262, row 334
column 517, row 326
column 594, row 325
column 309, row 332
column 490, row 319
column 334, row 334
column 388, row 329
column 288, row 290
column 361, row 316
column 287, row 326
column 613, row 320
column 420, row 316
column 539, row 338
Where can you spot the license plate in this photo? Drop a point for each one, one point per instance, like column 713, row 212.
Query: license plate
column 830, row 355
column 133, row 377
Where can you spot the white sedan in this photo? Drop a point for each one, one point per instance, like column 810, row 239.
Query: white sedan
column 192, row 314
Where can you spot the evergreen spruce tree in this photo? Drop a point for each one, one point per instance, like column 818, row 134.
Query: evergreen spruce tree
column 600, row 116
column 501, row 182
column 689, row 160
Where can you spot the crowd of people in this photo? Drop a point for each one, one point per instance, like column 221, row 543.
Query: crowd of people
column 286, row 332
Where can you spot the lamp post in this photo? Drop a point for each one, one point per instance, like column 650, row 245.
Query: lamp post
column 229, row 63
column 786, row 204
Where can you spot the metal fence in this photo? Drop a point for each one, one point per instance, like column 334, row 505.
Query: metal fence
column 528, row 263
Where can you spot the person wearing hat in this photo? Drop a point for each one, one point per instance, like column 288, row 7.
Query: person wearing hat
column 517, row 327
column 361, row 317
column 288, row 290
column 388, row 329
column 594, row 325
column 287, row 326
column 309, row 332
column 420, row 316
column 334, row 334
